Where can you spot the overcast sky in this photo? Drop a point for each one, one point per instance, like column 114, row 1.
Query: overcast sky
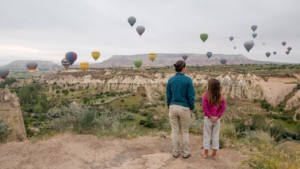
column 47, row 29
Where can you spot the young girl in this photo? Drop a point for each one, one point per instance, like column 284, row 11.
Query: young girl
column 213, row 105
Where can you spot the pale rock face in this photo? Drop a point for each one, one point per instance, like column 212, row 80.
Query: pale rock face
column 10, row 112
column 275, row 92
column 294, row 102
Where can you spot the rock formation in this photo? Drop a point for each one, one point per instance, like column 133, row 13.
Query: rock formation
column 247, row 86
column 10, row 113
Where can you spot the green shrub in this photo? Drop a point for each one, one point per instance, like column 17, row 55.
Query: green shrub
column 85, row 121
column 258, row 122
column 142, row 122
column 149, row 123
column 130, row 117
column 265, row 105
column 4, row 132
column 277, row 131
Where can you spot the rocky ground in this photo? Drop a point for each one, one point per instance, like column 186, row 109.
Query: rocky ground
column 68, row 151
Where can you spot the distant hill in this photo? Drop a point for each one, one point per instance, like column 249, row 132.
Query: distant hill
column 170, row 59
column 20, row 65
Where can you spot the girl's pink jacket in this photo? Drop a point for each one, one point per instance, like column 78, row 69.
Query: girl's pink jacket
column 212, row 110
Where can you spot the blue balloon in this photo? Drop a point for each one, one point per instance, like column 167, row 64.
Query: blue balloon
column 71, row 57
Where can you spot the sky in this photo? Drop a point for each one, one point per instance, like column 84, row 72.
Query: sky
column 46, row 30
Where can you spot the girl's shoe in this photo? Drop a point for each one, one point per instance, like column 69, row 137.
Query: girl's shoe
column 214, row 157
column 205, row 156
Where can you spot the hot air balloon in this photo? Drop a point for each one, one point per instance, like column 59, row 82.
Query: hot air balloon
column 223, row 61
column 4, row 73
column 209, row 54
column 254, row 35
column 283, row 43
column 95, row 54
column 289, row 48
column 65, row 63
column 71, row 57
column 234, row 47
column 184, row 57
column 138, row 63
column 249, row 45
column 152, row 56
column 204, row 37
column 268, row 54
column 254, row 27
column 274, row 53
column 140, row 30
column 84, row 66
column 131, row 20
column 31, row 66
column 287, row 52
column 231, row 38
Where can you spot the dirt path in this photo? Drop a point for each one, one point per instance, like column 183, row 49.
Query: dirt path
column 68, row 151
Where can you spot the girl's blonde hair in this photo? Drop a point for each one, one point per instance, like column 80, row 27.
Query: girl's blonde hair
column 214, row 92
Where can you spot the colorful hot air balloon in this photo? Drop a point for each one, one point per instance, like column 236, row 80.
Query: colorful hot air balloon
column 283, row 43
column 231, row 38
column 274, row 53
column 131, row 20
column 184, row 57
column 254, row 35
column 71, row 57
column 138, row 63
column 204, row 37
column 95, row 55
column 254, row 27
column 268, row 54
column 31, row 66
column 223, row 61
column 140, row 30
column 66, row 64
column 84, row 66
column 249, row 45
column 152, row 56
column 289, row 48
column 4, row 73
column 209, row 54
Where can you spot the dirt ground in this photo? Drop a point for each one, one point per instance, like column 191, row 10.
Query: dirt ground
column 68, row 151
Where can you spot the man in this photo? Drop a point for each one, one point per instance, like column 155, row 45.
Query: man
column 180, row 100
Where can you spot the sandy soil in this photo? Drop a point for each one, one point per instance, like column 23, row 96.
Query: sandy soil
column 68, row 151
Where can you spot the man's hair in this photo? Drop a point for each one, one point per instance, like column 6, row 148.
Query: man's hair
column 179, row 65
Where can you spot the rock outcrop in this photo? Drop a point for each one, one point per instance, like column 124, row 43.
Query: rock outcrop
column 244, row 86
column 10, row 113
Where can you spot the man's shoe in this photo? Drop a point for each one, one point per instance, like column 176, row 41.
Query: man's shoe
column 176, row 155
column 186, row 156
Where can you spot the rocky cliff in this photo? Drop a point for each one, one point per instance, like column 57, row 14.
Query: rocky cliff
column 10, row 113
column 244, row 86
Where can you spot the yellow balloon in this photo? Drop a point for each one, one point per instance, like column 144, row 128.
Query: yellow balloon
column 152, row 56
column 96, row 54
column 84, row 66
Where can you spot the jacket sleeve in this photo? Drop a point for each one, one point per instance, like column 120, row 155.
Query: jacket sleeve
column 169, row 94
column 222, row 108
column 191, row 95
column 205, row 106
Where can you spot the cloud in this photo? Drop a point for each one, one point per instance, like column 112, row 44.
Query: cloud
column 48, row 29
